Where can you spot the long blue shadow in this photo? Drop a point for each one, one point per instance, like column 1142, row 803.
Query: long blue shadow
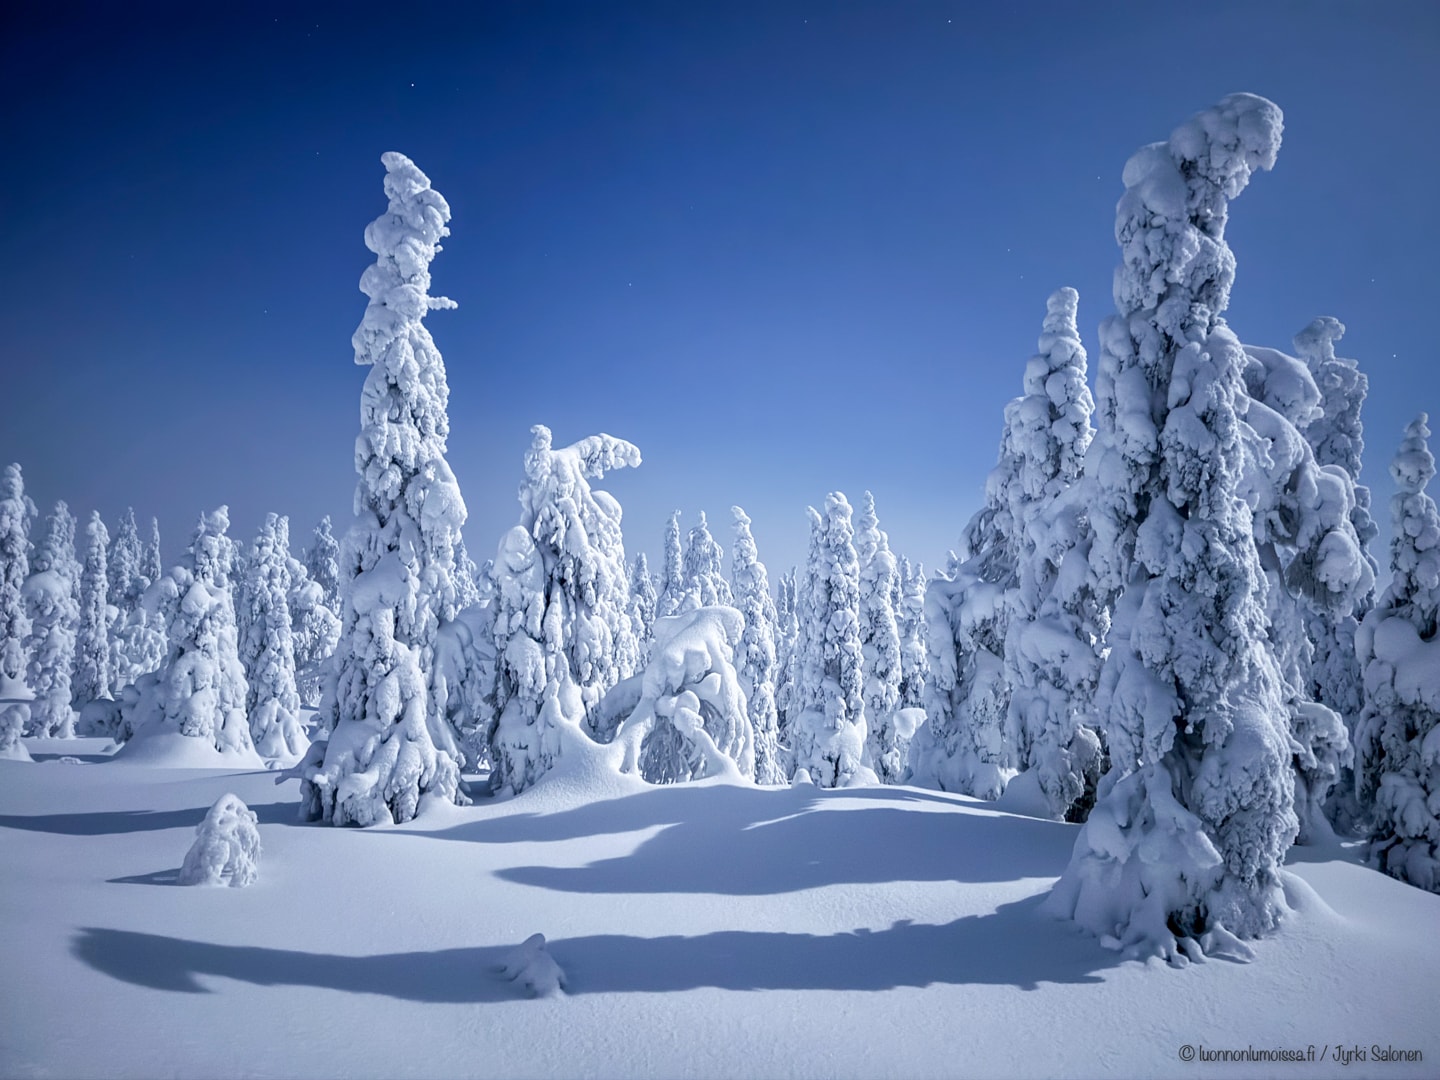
column 1014, row 946
column 113, row 822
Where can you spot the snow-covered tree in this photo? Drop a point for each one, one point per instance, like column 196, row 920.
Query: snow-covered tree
column 151, row 565
column 703, row 569
column 467, row 586
column 199, row 690
column 561, row 623
column 1183, row 849
column 92, row 678
column 910, row 626
column 389, row 744
column 226, row 850
column 643, row 600
column 691, row 684
column 672, row 573
column 54, row 613
column 267, row 649
column 1053, row 642
column 1397, row 768
column 126, row 581
column 829, row 733
column 322, row 563
column 886, row 749
column 787, row 634
column 16, row 512
column 755, row 652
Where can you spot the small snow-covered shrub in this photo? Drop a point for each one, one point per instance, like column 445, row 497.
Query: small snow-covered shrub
column 227, row 847
column 532, row 966
column 13, row 719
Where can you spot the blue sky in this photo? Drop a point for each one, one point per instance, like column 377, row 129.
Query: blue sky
column 783, row 248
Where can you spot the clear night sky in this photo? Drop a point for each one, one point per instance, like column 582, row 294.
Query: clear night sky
column 784, row 248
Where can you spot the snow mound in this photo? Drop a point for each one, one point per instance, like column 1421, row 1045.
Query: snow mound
column 534, row 968
column 158, row 748
column 227, row 846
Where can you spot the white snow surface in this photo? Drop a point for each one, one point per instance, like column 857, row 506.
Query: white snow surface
column 703, row 930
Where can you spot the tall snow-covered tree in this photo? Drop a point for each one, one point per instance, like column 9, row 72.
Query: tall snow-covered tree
column 887, row 746
column 703, row 569
column 1183, row 848
column 910, row 626
column 787, row 634
column 828, row 735
column 1397, row 768
column 322, row 563
column 126, row 582
column 92, row 678
column 199, row 690
column 16, row 512
column 642, row 606
column 1053, row 641
column 562, row 620
column 389, row 745
column 672, row 573
column 151, row 565
column 54, row 613
column 267, row 649
column 755, row 651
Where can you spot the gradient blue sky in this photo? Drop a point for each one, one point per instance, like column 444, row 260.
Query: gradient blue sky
column 784, row 248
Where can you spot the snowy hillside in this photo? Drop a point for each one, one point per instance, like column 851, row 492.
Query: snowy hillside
column 703, row 929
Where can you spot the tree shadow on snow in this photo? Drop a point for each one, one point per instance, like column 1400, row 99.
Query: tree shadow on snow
column 157, row 877
column 1014, row 946
column 113, row 822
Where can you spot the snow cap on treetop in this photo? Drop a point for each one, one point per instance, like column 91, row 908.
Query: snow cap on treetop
column 1414, row 466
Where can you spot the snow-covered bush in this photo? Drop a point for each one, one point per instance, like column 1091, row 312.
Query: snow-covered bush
column 199, row 691
column 54, row 613
column 226, row 850
column 1184, row 846
column 92, row 678
column 885, row 750
column 1055, row 633
column 389, row 745
column 828, row 731
column 267, row 649
column 532, row 966
column 755, row 654
column 13, row 718
column 561, row 618
column 691, row 683
column 1397, row 767
column 16, row 511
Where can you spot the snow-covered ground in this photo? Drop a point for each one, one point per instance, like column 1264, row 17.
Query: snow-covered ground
column 704, row 929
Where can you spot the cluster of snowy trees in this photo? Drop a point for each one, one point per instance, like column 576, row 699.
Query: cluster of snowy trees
column 1163, row 622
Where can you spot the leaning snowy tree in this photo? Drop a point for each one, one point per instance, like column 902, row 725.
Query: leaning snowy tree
column 887, row 745
column 92, row 679
column 828, row 733
column 1183, row 849
column 1397, row 766
column 16, row 510
column 561, row 624
column 755, row 652
column 267, row 648
column 1053, row 642
column 389, row 746
column 54, row 614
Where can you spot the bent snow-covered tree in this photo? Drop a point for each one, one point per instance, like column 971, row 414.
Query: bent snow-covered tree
column 1183, row 849
column 1397, row 766
column 1053, row 642
column 389, row 746
column 561, row 620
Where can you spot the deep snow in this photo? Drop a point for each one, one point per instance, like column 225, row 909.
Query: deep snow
column 703, row 929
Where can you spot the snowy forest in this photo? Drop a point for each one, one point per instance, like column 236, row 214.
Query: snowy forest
column 1168, row 630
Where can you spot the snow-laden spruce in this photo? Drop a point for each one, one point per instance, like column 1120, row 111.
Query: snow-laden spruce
column 672, row 573
column 910, row 627
column 643, row 601
column 1397, row 739
column 691, row 685
column 199, row 690
column 787, row 634
column 963, row 746
column 126, row 585
column 226, row 850
column 13, row 719
column 887, row 745
column 755, row 653
column 828, row 732
column 1312, row 559
column 322, row 563
column 1055, row 633
column 53, row 610
column 16, row 512
column 561, row 617
column 151, row 564
column 389, row 745
column 1183, row 849
column 703, row 569
column 267, row 648
column 314, row 624
column 92, row 680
